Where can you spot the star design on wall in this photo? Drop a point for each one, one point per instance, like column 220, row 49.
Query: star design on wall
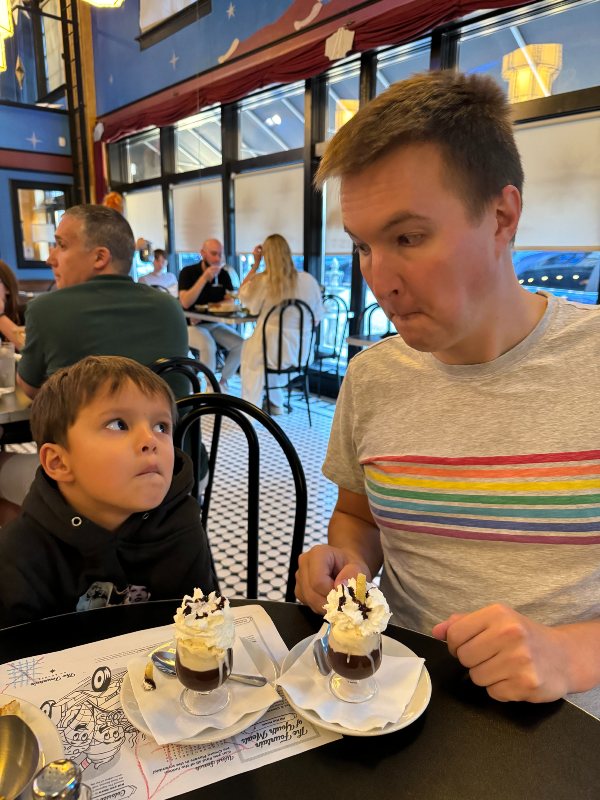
column 174, row 60
column 34, row 140
column 231, row 11
column 110, row 80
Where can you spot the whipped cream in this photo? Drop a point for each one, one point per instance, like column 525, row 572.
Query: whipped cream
column 353, row 618
column 204, row 625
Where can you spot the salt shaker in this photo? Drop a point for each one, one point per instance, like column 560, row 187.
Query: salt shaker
column 61, row 780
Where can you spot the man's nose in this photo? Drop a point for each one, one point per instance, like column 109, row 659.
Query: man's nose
column 385, row 278
column 51, row 258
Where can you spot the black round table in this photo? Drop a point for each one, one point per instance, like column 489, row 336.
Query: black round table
column 464, row 747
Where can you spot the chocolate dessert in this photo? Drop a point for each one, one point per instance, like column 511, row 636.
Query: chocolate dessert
column 205, row 680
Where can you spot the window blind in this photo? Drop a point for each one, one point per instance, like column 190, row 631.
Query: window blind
column 144, row 212
column 266, row 202
column 198, row 214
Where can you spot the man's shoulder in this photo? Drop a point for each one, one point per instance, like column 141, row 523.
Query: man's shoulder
column 380, row 354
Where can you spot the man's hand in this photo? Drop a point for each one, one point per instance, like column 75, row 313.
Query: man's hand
column 212, row 272
column 323, row 568
column 514, row 657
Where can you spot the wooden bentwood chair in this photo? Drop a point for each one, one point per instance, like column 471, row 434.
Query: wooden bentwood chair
column 300, row 370
column 239, row 410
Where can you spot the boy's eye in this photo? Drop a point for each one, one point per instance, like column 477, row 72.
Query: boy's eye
column 162, row 427
column 117, row 425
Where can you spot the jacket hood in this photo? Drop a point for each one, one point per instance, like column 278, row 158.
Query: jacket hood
column 49, row 509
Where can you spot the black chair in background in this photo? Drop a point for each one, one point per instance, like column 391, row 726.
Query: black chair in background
column 190, row 368
column 300, row 369
column 339, row 315
column 366, row 318
column 239, row 410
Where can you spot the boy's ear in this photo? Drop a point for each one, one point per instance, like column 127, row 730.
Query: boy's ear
column 56, row 463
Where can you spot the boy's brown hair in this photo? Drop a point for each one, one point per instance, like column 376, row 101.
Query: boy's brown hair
column 70, row 389
column 466, row 116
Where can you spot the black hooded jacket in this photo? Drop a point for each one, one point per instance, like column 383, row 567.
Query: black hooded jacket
column 52, row 559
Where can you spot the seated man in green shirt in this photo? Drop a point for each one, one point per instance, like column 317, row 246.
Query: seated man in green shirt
column 98, row 310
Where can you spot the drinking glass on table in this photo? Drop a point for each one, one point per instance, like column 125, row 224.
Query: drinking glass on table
column 353, row 663
column 7, row 367
column 203, row 676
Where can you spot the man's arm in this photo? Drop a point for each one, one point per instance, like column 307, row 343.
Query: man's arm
column 30, row 391
column 188, row 297
column 354, row 546
column 516, row 658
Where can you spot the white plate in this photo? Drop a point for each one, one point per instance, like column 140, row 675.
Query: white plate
column 51, row 747
column 418, row 703
column 134, row 715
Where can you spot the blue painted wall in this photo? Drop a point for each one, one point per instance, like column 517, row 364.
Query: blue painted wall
column 7, row 235
column 39, row 131
column 125, row 74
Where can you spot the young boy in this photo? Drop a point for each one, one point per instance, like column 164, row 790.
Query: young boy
column 109, row 512
column 160, row 278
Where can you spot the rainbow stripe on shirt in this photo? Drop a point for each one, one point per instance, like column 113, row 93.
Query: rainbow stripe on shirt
column 550, row 498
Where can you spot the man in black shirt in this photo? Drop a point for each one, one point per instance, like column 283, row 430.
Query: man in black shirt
column 207, row 282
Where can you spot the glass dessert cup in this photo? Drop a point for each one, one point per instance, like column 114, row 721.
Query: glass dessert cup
column 353, row 665
column 203, row 679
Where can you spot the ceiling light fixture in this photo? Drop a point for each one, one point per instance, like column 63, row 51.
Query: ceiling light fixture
column 105, row 3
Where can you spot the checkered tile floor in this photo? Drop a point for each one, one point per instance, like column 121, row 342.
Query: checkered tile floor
column 228, row 509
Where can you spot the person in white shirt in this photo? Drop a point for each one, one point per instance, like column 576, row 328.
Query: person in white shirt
column 158, row 277
column 279, row 281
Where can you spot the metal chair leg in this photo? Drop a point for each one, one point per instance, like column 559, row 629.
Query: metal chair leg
column 306, row 396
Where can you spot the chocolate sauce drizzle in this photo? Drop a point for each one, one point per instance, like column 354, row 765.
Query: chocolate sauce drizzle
column 362, row 607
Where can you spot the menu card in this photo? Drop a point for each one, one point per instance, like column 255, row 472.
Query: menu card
column 79, row 690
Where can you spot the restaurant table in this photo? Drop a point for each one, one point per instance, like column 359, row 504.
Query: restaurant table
column 465, row 746
column 206, row 316
column 363, row 339
column 14, row 407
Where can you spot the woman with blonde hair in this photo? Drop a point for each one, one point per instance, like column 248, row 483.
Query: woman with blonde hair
column 260, row 292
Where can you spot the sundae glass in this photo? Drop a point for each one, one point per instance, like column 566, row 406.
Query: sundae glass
column 205, row 633
column 358, row 614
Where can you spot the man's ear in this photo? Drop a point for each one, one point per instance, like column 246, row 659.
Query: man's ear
column 508, row 212
column 56, row 462
column 102, row 258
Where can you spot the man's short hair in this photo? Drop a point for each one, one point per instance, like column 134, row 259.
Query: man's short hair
column 160, row 254
column 105, row 227
column 466, row 116
column 61, row 398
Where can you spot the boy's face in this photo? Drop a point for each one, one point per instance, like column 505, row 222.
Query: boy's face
column 120, row 455
column 160, row 262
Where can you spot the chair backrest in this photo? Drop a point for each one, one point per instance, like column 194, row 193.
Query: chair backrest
column 190, row 368
column 341, row 311
column 239, row 410
column 159, row 287
column 366, row 317
column 304, row 312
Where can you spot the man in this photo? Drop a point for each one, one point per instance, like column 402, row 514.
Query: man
column 207, row 282
column 159, row 277
column 462, row 448
column 98, row 310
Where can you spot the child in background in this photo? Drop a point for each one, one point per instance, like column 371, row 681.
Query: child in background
column 110, row 507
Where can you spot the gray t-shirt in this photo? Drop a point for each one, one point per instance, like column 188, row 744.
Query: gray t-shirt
column 484, row 480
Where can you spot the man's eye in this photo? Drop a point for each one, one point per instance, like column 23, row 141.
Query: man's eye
column 117, row 425
column 410, row 238
column 162, row 427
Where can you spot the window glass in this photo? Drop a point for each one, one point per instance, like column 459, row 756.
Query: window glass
column 40, row 212
column 343, row 84
column 53, row 49
column 272, row 122
column 398, row 64
column 537, row 54
column 198, row 141
column 570, row 275
column 143, row 157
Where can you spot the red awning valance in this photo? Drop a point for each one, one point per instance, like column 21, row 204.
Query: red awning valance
column 301, row 56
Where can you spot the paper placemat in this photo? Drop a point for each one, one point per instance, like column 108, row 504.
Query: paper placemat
column 79, row 690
